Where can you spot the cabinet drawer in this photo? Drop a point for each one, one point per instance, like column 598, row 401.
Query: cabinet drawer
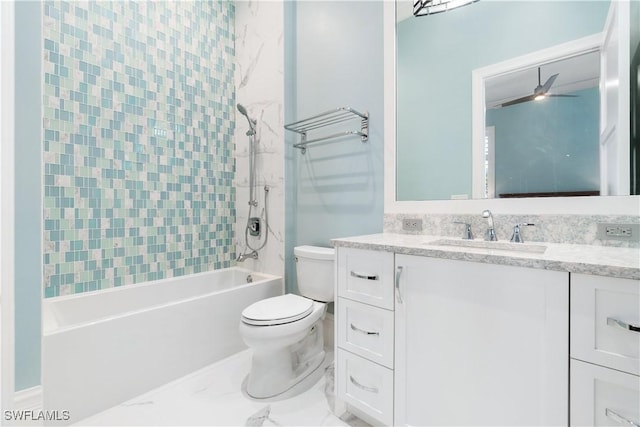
column 366, row 386
column 366, row 330
column 602, row 396
column 366, row 276
column 600, row 307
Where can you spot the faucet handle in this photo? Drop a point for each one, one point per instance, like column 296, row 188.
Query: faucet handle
column 516, row 237
column 467, row 234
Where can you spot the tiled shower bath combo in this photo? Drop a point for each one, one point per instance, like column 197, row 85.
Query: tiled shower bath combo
column 139, row 168
column 138, row 142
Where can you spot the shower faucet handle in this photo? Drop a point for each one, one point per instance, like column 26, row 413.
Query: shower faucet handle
column 467, row 234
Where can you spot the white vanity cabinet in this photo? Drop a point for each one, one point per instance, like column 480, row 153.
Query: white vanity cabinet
column 480, row 344
column 429, row 341
column 365, row 333
column 605, row 351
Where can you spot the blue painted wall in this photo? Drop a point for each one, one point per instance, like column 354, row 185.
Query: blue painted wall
column 548, row 146
column 334, row 58
column 434, row 105
column 28, row 210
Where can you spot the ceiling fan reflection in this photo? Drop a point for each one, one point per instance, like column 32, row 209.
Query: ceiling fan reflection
column 539, row 93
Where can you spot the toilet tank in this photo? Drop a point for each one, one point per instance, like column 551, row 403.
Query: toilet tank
column 314, row 271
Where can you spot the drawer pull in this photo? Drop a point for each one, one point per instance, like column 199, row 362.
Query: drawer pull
column 364, row 276
column 363, row 387
column 623, row 325
column 398, row 294
column 619, row 418
column 355, row 328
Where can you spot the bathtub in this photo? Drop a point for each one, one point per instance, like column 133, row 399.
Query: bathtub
column 102, row 348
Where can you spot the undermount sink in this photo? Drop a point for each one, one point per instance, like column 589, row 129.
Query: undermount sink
column 483, row 244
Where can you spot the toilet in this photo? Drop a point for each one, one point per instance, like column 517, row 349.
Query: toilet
column 285, row 332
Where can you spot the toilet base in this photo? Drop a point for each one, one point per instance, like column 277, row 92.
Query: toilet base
column 275, row 370
column 299, row 387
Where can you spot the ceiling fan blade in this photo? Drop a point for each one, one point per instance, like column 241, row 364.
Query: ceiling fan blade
column 562, row 95
column 518, row 100
column 548, row 83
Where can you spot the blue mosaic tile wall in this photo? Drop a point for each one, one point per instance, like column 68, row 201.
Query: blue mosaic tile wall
column 138, row 141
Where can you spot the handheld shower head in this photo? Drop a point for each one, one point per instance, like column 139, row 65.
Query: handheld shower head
column 487, row 214
column 252, row 123
column 242, row 110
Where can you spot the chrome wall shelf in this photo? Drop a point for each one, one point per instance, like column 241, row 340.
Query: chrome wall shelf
column 328, row 118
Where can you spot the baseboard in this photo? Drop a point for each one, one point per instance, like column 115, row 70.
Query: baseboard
column 29, row 399
column 327, row 325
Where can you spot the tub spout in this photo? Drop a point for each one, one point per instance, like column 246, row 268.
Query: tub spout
column 243, row 257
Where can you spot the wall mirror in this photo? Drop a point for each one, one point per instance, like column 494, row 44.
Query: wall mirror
column 436, row 58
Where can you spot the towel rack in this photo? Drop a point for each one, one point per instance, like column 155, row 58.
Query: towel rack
column 328, row 118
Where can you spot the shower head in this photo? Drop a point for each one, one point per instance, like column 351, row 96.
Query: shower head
column 242, row 110
column 252, row 123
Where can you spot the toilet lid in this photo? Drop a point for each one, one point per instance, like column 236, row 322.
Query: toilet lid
column 277, row 310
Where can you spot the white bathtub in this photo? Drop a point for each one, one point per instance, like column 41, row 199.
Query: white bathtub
column 102, row 348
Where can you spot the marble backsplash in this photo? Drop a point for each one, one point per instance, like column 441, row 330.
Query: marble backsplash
column 572, row 229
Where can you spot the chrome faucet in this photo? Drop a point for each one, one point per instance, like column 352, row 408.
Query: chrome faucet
column 467, row 234
column 245, row 256
column 516, row 237
column 490, row 235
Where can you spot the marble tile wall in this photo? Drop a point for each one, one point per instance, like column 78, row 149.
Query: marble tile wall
column 574, row 229
column 259, row 81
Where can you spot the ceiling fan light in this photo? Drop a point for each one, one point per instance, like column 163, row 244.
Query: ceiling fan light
column 431, row 7
column 539, row 97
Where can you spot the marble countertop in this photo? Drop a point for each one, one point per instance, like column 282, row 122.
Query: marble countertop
column 586, row 259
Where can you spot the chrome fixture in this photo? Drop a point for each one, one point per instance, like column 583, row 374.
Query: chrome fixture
column 516, row 237
column 363, row 387
column 329, row 118
column 245, row 256
column 398, row 293
column 490, row 235
column 363, row 331
column 611, row 321
column 253, row 226
column 619, row 418
column 364, row 276
column 252, row 122
column 467, row 234
column 431, row 7
column 251, row 133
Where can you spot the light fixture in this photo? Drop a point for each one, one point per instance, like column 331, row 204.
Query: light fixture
column 430, row 7
column 539, row 97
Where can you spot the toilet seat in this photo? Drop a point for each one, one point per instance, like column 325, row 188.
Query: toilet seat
column 277, row 310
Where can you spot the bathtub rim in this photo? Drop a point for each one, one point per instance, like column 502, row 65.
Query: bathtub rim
column 50, row 329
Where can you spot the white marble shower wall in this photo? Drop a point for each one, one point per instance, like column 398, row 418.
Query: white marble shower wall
column 259, row 79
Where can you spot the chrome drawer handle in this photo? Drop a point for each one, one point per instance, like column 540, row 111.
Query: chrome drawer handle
column 355, row 328
column 363, row 387
column 398, row 294
column 364, row 276
column 623, row 325
column 619, row 418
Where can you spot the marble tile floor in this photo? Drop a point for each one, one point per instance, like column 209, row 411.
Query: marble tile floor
column 212, row 396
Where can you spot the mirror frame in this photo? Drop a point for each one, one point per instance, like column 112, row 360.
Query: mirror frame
column 7, row 214
column 587, row 205
column 573, row 48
